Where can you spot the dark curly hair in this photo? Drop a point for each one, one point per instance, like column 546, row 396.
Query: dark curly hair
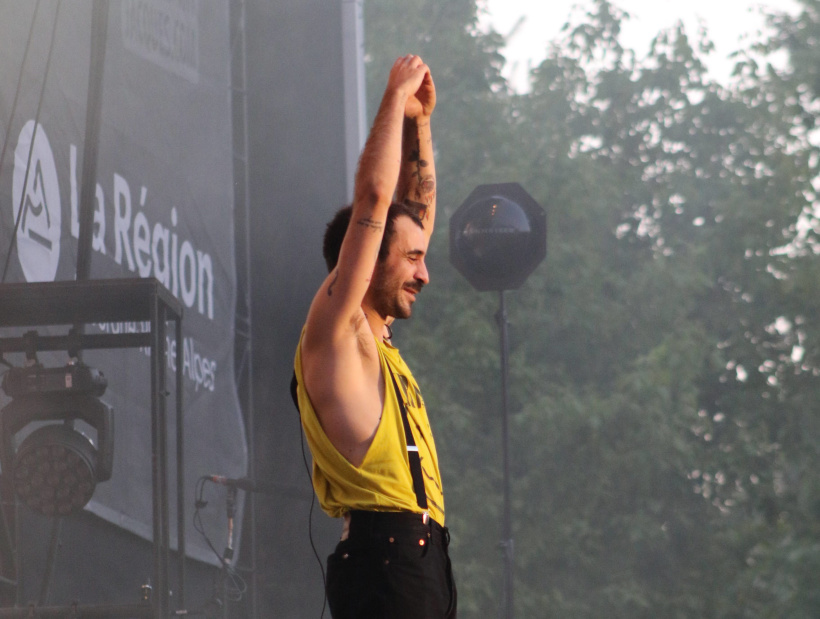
column 337, row 228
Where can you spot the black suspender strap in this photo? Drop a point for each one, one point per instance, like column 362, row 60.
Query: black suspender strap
column 412, row 449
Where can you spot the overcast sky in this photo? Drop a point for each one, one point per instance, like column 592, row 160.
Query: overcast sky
column 728, row 21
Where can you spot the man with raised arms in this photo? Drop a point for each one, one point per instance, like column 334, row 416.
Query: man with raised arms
column 374, row 459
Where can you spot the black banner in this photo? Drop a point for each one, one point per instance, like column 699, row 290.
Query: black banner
column 164, row 209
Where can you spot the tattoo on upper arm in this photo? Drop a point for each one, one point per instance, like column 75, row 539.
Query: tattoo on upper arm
column 427, row 185
column 370, row 223
column 419, row 208
column 424, row 185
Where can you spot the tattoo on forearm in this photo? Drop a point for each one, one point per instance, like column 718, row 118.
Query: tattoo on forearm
column 333, row 283
column 370, row 223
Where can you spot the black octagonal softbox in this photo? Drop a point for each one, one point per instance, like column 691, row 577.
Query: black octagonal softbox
column 498, row 236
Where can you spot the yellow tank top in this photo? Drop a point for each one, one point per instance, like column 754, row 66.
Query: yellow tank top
column 383, row 481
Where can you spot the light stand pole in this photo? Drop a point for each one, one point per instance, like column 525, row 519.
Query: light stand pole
column 497, row 238
column 507, row 546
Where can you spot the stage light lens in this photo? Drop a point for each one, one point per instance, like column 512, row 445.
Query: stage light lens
column 54, row 470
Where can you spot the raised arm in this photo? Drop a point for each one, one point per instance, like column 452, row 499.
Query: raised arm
column 337, row 304
column 417, row 179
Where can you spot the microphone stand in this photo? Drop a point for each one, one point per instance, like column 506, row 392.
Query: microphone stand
column 227, row 556
column 230, row 503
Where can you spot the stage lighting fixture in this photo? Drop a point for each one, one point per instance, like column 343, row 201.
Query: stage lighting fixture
column 56, row 467
column 498, row 236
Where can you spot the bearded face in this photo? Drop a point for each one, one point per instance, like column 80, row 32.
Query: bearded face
column 401, row 275
column 393, row 295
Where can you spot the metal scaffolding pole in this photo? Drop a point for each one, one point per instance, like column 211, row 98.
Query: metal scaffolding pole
column 243, row 322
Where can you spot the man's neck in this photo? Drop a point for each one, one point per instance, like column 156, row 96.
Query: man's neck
column 377, row 323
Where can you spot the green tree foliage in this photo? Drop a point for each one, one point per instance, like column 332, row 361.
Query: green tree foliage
column 665, row 359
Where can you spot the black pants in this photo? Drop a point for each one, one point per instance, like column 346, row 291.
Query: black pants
column 392, row 566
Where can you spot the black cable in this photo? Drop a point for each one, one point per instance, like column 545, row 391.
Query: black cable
column 310, row 518
column 236, row 586
column 31, row 146
column 240, row 587
column 54, row 545
column 19, row 84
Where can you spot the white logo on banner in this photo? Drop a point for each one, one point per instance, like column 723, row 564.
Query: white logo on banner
column 165, row 33
column 36, row 189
